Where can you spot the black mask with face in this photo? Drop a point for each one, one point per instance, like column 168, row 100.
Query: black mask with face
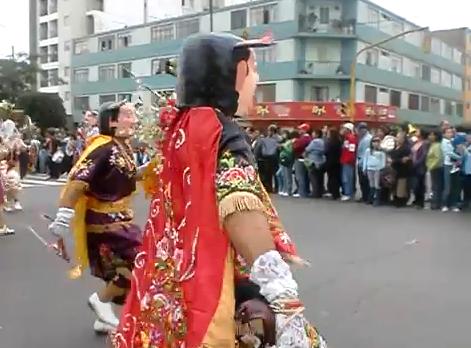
column 108, row 113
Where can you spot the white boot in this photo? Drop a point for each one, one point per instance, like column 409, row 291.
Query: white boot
column 18, row 205
column 104, row 311
column 6, row 231
column 8, row 206
column 102, row 328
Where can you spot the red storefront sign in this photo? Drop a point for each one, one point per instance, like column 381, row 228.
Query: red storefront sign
column 323, row 112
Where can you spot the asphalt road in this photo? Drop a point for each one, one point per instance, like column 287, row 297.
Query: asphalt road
column 380, row 278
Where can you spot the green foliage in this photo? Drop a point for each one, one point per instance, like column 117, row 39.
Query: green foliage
column 45, row 109
column 16, row 77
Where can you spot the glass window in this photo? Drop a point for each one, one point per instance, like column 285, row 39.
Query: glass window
column 448, row 107
column 425, row 103
column 106, row 73
column 80, row 75
column 238, row 19
column 266, row 55
column 372, row 57
column 125, row 96
column 159, row 64
column 435, row 105
column 457, row 82
column 186, row 28
column 44, row 79
column 396, row 64
column 163, row 32
column 262, row 15
column 81, row 47
column 395, row 98
column 266, row 93
column 107, row 98
column 54, row 77
column 124, row 40
column 53, row 29
column 124, row 70
column 413, row 102
column 373, row 16
column 435, row 75
column 371, row 94
column 459, row 109
column 52, row 6
column 82, row 103
column 106, row 43
column 53, row 56
column 446, row 79
column 324, row 14
column 43, row 54
column 426, row 72
column 42, row 7
column 43, row 31
column 319, row 93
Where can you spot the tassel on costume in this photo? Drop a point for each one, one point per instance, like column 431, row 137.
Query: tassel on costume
column 237, row 202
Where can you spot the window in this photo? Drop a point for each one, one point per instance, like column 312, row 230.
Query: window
column 186, row 28
column 67, row 46
column 159, row 64
column 43, row 54
column 66, row 21
column 81, row 47
column 266, row 93
column 67, row 96
column 106, row 43
column 44, row 79
column 43, row 31
column 124, row 70
column 107, row 98
column 163, row 32
column 396, row 64
column 238, row 19
column 262, row 15
column 413, row 102
column 106, row 73
column 457, row 82
column 53, row 29
column 319, row 93
column 435, row 105
column 435, row 75
column 372, row 57
column 82, row 103
column 53, row 57
column 425, row 103
column 124, row 96
column 324, row 15
column 52, row 6
column 371, row 94
column 42, row 7
column 446, row 79
column 448, row 108
column 266, row 55
column 426, row 72
column 459, row 109
column 80, row 75
column 395, row 98
column 66, row 71
column 373, row 16
column 53, row 77
column 124, row 40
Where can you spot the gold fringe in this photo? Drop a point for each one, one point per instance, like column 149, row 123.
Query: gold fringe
column 237, row 202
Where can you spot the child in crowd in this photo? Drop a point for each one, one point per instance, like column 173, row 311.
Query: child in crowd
column 373, row 163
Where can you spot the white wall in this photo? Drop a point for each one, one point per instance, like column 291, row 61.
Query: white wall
column 362, row 14
column 286, row 10
column 323, row 50
column 142, row 67
column 285, row 51
column 284, row 90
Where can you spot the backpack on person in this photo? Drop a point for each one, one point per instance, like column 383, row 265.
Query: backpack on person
column 287, row 154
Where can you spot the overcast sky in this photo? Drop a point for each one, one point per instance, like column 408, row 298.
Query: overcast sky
column 436, row 14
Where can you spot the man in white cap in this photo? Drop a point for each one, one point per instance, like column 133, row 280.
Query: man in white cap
column 348, row 160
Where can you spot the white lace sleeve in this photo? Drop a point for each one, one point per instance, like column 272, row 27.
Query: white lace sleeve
column 277, row 285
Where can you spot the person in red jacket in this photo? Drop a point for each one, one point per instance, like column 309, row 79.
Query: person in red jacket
column 348, row 160
column 300, row 170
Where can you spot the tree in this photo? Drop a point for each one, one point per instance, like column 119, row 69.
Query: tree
column 45, row 109
column 16, row 77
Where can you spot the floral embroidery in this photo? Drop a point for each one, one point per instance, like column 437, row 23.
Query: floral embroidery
column 83, row 170
column 109, row 263
column 121, row 158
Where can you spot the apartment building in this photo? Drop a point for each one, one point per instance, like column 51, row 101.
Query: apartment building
column 317, row 41
column 460, row 38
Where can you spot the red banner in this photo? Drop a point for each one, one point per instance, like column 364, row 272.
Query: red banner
column 322, row 112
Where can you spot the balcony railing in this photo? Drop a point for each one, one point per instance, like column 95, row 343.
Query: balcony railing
column 321, row 68
column 310, row 24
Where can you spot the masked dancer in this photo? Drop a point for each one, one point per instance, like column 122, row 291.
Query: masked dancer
column 214, row 248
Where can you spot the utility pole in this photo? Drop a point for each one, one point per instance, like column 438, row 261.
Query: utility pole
column 12, row 52
column 211, row 15
column 354, row 66
column 146, row 11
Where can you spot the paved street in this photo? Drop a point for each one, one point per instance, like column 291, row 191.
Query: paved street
column 380, row 278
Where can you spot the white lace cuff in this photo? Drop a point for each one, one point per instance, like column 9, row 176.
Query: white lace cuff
column 64, row 216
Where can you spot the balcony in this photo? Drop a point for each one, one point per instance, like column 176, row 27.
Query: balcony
column 321, row 69
column 336, row 27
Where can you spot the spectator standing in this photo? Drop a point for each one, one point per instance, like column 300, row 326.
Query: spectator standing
column 364, row 142
column 333, row 150
column 449, row 160
column 266, row 152
column 348, row 161
column 401, row 163
column 374, row 161
column 419, row 156
column 466, row 172
column 434, row 163
column 284, row 175
column 141, row 157
column 300, row 170
column 314, row 159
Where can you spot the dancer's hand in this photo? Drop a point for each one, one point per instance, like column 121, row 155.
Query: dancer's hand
column 60, row 227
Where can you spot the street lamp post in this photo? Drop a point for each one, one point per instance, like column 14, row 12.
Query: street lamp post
column 211, row 15
column 354, row 66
